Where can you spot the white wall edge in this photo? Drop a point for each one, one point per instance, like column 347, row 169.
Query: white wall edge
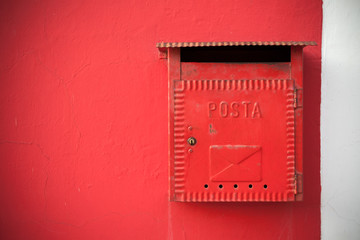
column 340, row 120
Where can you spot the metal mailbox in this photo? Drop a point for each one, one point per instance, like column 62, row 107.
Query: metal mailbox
column 235, row 121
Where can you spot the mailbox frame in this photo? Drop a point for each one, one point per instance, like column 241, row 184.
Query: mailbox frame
column 177, row 168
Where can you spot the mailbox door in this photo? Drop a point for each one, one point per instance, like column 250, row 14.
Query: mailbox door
column 231, row 131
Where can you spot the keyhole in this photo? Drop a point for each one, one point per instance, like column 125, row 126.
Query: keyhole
column 191, row 141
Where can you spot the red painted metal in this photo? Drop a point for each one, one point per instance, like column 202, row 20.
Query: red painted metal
column 235, row 130
column 225, row 44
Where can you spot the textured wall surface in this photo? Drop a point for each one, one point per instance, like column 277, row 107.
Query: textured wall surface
column 83, row 119
column 340, row 118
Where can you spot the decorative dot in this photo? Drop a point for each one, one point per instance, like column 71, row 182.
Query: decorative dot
column 235, row 186
column 206, row 186
column 250, row 185
column 220, row 186
column 265, row 186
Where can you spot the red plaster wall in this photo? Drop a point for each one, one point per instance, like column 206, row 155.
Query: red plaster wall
column 83, row 119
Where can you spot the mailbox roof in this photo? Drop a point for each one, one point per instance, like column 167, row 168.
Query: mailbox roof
column 224, row 44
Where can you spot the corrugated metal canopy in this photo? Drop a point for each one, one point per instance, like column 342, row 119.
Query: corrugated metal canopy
column 225, row 44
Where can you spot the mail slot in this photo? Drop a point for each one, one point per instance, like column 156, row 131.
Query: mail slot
column 235, row 124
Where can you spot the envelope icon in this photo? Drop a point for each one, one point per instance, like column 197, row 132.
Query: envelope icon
column 241, row 163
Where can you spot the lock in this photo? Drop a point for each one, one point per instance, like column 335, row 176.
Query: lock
column 191, row 141
column 245, row 101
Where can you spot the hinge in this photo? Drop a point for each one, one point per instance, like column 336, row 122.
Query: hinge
column 298, row 98
column 299, row 185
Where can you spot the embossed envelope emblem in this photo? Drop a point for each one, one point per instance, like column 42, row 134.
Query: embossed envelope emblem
column 235, row 163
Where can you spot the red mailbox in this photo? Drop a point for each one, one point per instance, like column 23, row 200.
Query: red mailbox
column 235, row 120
